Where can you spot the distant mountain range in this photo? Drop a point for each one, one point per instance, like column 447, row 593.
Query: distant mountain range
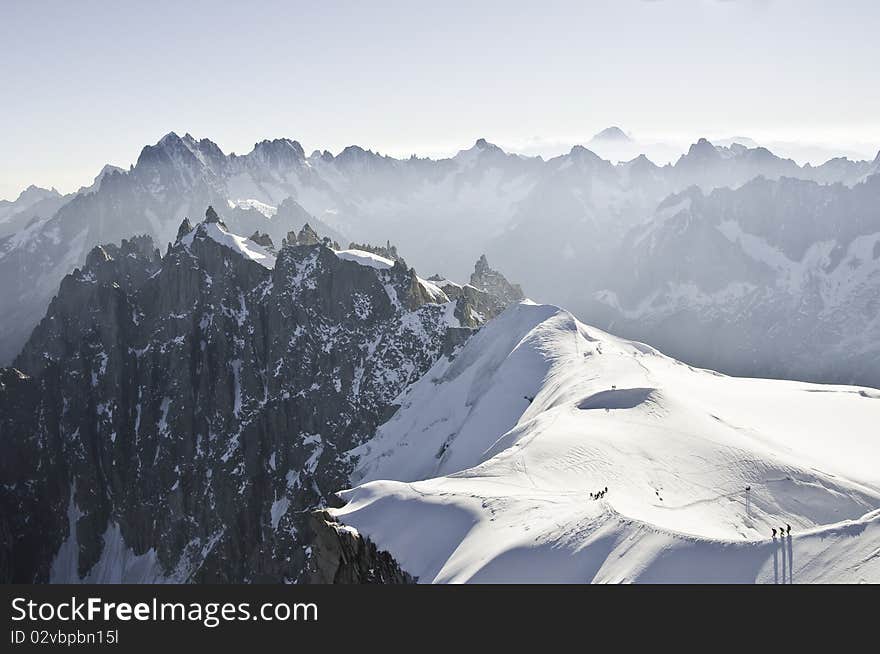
column 777, row 278
column 555, row 225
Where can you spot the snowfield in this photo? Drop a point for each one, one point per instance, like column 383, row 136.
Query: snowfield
column 485, row 473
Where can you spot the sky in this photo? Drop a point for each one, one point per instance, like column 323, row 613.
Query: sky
column 88, row 83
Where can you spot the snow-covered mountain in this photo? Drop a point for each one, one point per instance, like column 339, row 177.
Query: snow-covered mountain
column 33, row 202
column 489, row 470
column 775, row 278
column 553, row 225
column 177, row 417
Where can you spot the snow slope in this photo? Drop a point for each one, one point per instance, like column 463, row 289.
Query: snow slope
column 472, row 482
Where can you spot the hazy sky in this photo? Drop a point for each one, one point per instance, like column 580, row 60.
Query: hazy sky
column 87, row 83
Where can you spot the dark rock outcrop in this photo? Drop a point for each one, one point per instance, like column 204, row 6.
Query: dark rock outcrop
column 307, row 236
column 264, row 240
column 340, row 555
column 212, row 217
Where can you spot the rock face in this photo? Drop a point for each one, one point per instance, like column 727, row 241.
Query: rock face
column 340, row 555
column 178, row 417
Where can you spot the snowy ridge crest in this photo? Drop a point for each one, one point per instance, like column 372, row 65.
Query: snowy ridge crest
column 491, row 469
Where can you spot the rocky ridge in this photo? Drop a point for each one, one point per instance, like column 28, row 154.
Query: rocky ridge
column 178, row 417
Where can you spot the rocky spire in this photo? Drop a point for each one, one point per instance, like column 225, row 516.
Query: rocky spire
column 307, row 236
column 184, row 229
column 494, row 283
column 211, row 216
column 480, row 268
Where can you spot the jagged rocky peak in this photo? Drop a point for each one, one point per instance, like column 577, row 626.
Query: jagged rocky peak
column 97, row 256
column 321, row 155
column 33, row 194
column 355, row 153
column 487, row 295
column 483, row 145
column 583, row 155
column 209, row 405
column 306, row 236
column 184, row 229
column 702, row 149
column 278, row 153
column 212, row 217
column 641, row 161
column 138, row 247
column 493, row 282
column 107, row 173
column 183, row 154
column 211, row 242
column 210, row 401
column 481, row 150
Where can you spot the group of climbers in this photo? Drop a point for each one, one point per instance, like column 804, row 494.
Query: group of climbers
column 599, row 494
column 783, row 531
